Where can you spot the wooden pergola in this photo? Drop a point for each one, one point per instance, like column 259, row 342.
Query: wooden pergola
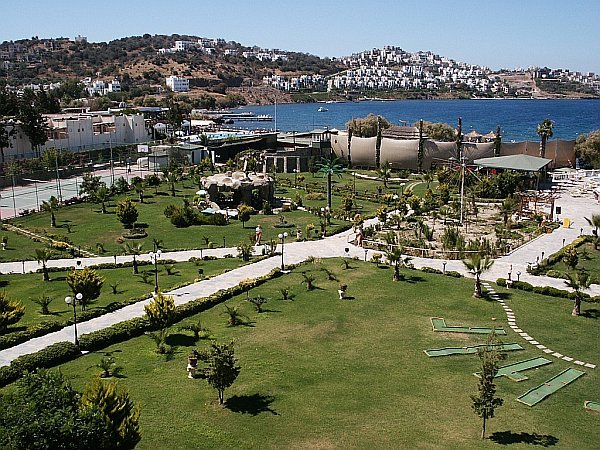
column 543, row 199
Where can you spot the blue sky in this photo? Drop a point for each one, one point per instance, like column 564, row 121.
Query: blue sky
column 498, row 34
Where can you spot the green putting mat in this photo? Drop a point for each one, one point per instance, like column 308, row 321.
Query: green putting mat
column 512, row 371
column 470, row 350
column 537, row 394
column 439, row 324
column 591, row 406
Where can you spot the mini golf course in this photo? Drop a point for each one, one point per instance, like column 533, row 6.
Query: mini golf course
column 439, row 324
column 592, row 406
column 513, row 371
column 447, row 351
column 539, row 393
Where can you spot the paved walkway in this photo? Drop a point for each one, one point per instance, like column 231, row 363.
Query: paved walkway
column 295, row 252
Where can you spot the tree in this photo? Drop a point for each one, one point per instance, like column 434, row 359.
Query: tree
column 222, row 369
column 507, row 209
column 485, row 403
column 7, row 131
column 244, row 212
column 33, row 123
column 102, row 195
column 438, row 131
column 127, row 212
column 51, row 206
column 119, row 412
column 89, row 185
column 587, row 149
column 396, row 259
column 44, row 412
column 570, row 257
column 135, row 250
column 11, row 311
column 42, row 255
column 172, row 178
column 161, row 310
column 478, row 264
column 421, row 149
column 594, row 222
column 544, row 131
column 385, row 172
column 579, row 282
column 86, row 282
column 329, row 167
column 368, row 126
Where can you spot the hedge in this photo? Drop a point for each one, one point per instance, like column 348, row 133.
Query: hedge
column 547, row 290
column 448, row 273
column 50, row 356
column 556, row 257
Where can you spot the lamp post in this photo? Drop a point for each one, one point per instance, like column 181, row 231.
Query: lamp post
column 282, row 239
column 519, row 275
column 73, row 301
column 444, row 267
column 295, row 178
column 154, row 258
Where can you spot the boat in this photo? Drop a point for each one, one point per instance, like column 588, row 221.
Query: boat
column 322, row 109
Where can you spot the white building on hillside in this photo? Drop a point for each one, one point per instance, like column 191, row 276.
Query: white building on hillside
column 177, row 84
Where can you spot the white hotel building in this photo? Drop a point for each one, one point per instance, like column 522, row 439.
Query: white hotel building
column 177, row 84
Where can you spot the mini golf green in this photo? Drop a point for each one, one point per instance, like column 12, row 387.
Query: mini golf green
column 512, row 371
column 537, row 394
column 591, row 406
column 447, row 351
column 439, row 324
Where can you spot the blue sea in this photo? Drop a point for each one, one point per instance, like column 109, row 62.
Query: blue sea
column 518, row 119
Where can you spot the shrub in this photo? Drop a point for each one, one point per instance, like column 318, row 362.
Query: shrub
column 160, row 310
column 501, row 282
column 453, row 274
column 315, row 196
column 126, row 212
column 431, row 270
column 11, row 311
column 522, row 285
column 86, row 282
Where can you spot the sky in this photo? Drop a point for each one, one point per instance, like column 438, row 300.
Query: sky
column 497, row 34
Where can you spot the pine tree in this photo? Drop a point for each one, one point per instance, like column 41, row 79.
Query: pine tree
column 222, row 370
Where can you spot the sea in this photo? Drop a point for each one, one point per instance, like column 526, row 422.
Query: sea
column 517, row 118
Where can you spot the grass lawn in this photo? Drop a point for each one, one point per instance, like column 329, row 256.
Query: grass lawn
column 590, row 262
column 18, row 247
column 30, row 286
column 321, row 372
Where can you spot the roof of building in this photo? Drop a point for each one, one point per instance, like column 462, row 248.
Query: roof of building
column 515, row 162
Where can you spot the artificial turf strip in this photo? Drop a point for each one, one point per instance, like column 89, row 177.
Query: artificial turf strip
column 439, row 324
column 539, row 393
column 447, row 351
column 592, row 406
column 513, row 371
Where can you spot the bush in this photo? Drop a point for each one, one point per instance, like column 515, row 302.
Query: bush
column 431, row 270
column 453, row 274
column 522, row 285
column 501, row 282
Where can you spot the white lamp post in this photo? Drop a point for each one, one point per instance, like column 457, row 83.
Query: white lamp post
column 73, row 301
column 282, row 239
column 154, row 258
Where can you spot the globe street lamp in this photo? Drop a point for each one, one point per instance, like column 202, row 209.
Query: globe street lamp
column 154, row 258
column 73, row 301
column 282, row 239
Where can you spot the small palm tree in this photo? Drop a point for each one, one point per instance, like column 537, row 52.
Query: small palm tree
column 428, row 178
column 329, row 167
column 595, row 222
column 397, row 259
column 102, row 195
column 234, row 316
column 197, row 329
column 42, row 255
column 544, row 131
column 385, row 172
column 51, row 206
column 308, row 279
column 172, row 178
column 579, row 282
column 135, row 250
column 478, row 264
column 507, row 209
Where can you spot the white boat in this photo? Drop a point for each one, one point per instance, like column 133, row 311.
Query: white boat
column 322, row 109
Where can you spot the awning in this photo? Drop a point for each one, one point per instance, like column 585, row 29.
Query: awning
column 515, row 162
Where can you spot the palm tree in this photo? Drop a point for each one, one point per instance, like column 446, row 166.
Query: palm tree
column 428, row 178
column 544, row 130
column 396, row 258
column 172, row 178
column 385, row 172
column 478, row 264
column 595, row 222
column 42, row 255
column 102, row 195
column 579, row 282
column 507, row 208
column 330, row 167
column 139, row 189
column 135, row 250
column 51, row 206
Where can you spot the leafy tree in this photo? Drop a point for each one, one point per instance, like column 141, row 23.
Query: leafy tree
column 579, row 282
column 594, row 222
column 571, row 257
column 42, row 255
column 33, row 123
column 478, row 264
column 161, row 310
column 244, row 212
column 51, row 205
column 135, row 250
column 86, row 282
column 485, row 403
column 7, row 131
column 545, row 132
column 89, row 185
column 368, row 126
column 11, row 311
column 329, row 167
column 44, row 412
column 127, row 212
column 119, row 412
column 587, row 149
column 222, row 367
column 385, row 172
column 438, row 131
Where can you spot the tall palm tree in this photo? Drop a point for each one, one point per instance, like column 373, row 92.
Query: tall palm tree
column 595, row 222
column 478, row 264
column 102, row 195
column 330, row 167
column 172, row 178
column 135, row 250
column 544, row 130
column 385, row 172
column 579, row 282
column 397, row 259
column 42, row 255
column 51, row 206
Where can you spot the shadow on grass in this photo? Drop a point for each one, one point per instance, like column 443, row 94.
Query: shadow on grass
column 591, row 313
column 504, row 295
column 181, row 340
column 508, row 437
column 251, row 404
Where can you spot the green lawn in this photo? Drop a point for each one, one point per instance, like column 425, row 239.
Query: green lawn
column 30, row 286
column 589, row 259
column 18, row 247
column 320, row 372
